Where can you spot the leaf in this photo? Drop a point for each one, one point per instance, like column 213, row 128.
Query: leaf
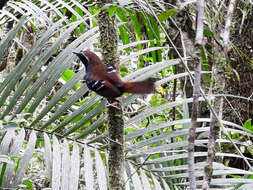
column 144, row 179
column 166, row 14
column 248, row 125
column 92, row 127
column 6, row 159
column 3, row 168
column 6, row 141
column 48, row 78
column 156, row 183
column 150, row 111
column 150, row 32
column 58, row 95
column 126, row 180
column 22, row 66
column 137, row 29
column 250, row 150
column 88, row 168
column 56, row 172
column 205, row 64
column 14, row 149
column 112, row 10
column 79, row 93
column 75, row 167
column 124, row 29
column 65, row 166
column 237, row 75
column 28, row 184
column 11, row 34
column 81, row 13
column 157, row 42
column 28, row 153
column 48, row 156
column 100, row 168
column 86, row 118
column 68, row 74
column 133, row 44
column 165, row 185
column 3, row 44
column 36, row 67
column 135, row 178
column 208, row 33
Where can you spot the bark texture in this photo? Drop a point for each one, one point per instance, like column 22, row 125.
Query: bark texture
column 196, row 92
column 192, row 130
column 219, row 75
column 109, row 43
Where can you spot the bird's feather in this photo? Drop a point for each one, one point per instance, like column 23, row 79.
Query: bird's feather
column 105, row 81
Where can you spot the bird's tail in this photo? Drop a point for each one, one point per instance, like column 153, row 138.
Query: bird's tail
column 140, row 87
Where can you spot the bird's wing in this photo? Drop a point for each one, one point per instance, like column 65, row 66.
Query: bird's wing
column 104, row 88
column 107, row 73
column 95, row 85
column 114, row 77
column 110, row 90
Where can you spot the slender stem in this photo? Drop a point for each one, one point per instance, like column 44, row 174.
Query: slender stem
column 196, row 92
column 226, row 33
column 192, row 129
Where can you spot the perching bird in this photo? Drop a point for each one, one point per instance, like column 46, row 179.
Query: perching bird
column 105, row 81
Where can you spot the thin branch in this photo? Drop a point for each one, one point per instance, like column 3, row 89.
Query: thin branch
column 226, row 33
column 196, row 92
column 192, row 129
column 200, row 22
column 232, row 107
column 139, row 166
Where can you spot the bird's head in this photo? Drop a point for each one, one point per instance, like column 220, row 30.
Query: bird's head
column 88, row 57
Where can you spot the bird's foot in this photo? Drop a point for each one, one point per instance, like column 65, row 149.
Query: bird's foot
column 115, row 105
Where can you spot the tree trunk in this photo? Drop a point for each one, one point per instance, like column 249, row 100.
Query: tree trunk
column 109, row 42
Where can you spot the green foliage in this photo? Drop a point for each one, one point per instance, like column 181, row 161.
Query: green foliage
column 137, row 30
column 248, row 125
column 167, row 14
column 112, row 10
column 208, row 33
column 157, row 100
column 42, row 92
column 28, row 183
column 205, row 64
column 2, row 173
column 150, row 32
column 68, row 74
column 124, row 29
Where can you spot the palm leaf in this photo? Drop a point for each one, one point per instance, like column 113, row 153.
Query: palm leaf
column 32, row 96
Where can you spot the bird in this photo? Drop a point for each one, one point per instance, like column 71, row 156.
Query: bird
column 106, row 81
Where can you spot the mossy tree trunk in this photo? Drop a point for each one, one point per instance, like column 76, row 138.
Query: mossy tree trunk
column 109, row 43
column 219, row 83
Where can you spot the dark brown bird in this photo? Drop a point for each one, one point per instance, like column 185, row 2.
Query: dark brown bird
column 105, row 81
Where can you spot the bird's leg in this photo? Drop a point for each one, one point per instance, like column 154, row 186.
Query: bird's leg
column 113, row 103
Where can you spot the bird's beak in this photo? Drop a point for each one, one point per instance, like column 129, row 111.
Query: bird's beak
column 82, row 57
column 77, row 53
